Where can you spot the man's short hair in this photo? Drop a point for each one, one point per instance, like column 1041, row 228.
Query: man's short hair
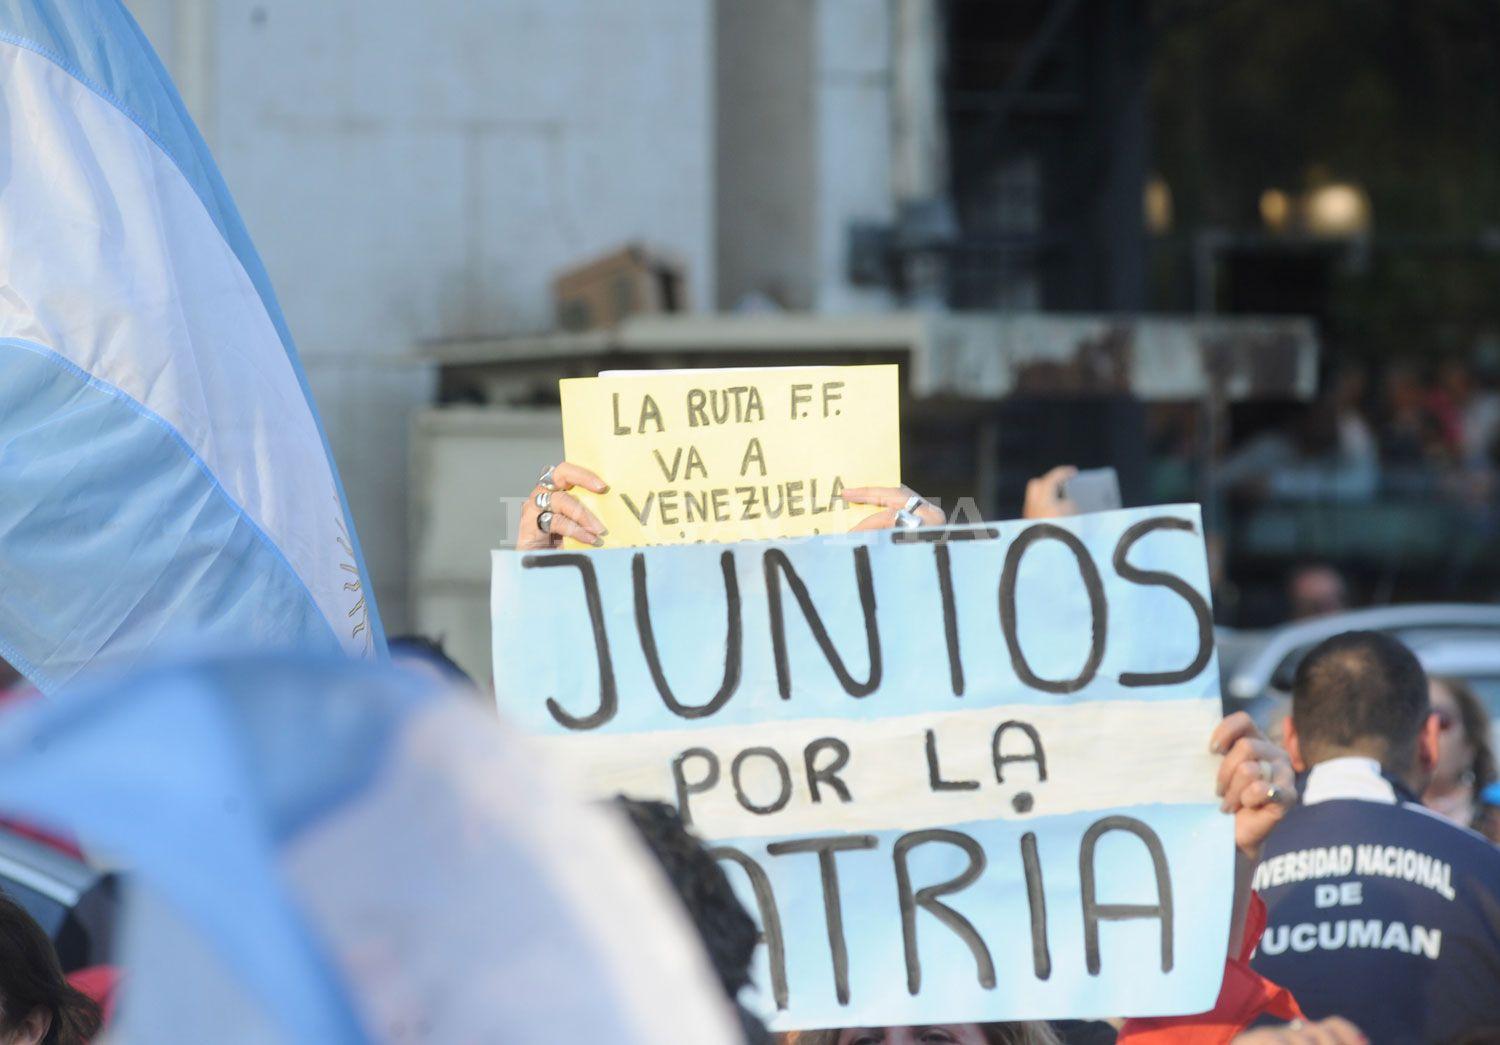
column 1358, row 687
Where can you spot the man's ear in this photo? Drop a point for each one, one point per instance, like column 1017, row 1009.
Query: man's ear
column 1290, row 741
column 34, row 1027
column 1427, row 746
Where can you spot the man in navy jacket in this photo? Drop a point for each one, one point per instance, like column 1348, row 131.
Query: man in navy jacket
column 1379, row 911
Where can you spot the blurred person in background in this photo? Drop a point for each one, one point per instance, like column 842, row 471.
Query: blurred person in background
column 1328, row 453
column 1411, row 437
column 1465, row 762
column 1315, row 590
column 37, row 1005
column 1467, row 412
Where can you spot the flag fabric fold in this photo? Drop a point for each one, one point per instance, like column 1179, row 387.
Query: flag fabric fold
column 334, row 853
column 163, row 473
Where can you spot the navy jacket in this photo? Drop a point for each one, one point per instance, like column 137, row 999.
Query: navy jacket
column 1380, row 911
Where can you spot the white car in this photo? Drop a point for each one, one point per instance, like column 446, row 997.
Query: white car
column 1458, row 639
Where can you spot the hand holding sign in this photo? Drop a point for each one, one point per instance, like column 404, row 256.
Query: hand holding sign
column 570, row 518
column 551, row 513
column 893, row 499
column 1256, row 781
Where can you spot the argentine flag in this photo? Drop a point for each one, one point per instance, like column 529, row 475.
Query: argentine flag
column 163, row 475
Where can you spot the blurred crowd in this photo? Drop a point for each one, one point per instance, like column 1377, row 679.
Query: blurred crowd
column 1403, row 429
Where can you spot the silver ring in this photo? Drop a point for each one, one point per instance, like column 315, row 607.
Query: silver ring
column 543, row 499
column 1273, row 793
column 906, row 516
column 547, row 481
column 544, row 522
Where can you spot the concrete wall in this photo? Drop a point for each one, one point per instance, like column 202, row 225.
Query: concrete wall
column 413, row 171
column 804, row 146
column 853, row 84
column 766, row 144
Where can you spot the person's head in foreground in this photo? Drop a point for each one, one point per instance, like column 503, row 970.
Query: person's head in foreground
column 37, row 1007
column 1362, row 694
column 945, row 1034
column 728, row 932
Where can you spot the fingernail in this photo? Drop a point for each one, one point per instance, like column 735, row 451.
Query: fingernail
column 1216, row 748
column 603, row 531
column 602, row 488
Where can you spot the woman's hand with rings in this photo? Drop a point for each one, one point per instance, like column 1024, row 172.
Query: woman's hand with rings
column 551, row 513
column 902, row 507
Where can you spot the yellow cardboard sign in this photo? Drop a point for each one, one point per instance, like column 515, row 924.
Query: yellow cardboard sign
column 733, row 454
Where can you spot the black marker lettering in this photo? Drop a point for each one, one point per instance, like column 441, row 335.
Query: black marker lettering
column 642, row 512
column 800, row 394
column 777, row 568
column 829, row 773
column 770, row 918
column 831, row 395
column 783, row 772
column 935, row 774
column 669, row 473
column 1095, row 912
column 1036, row 899
column 666, row 507
column 650, row 412
column 686, row 787
column 608, row 700
column 1036, row 755
column 1201, row 611
column 696, row 417
column 927, row 899
column 1098, row 609
column 753, row 455
column 733, row 639
column 950, row 615
column 833, row 910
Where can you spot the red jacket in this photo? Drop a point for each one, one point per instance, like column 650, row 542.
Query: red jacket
column 1244, row 998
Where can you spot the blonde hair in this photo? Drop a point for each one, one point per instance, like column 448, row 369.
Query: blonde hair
column 994, row 1034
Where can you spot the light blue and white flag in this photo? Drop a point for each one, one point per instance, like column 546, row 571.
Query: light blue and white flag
column 324, row 852
column 162, row 470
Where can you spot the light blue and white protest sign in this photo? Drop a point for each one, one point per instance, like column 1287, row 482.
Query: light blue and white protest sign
column 958, row 774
